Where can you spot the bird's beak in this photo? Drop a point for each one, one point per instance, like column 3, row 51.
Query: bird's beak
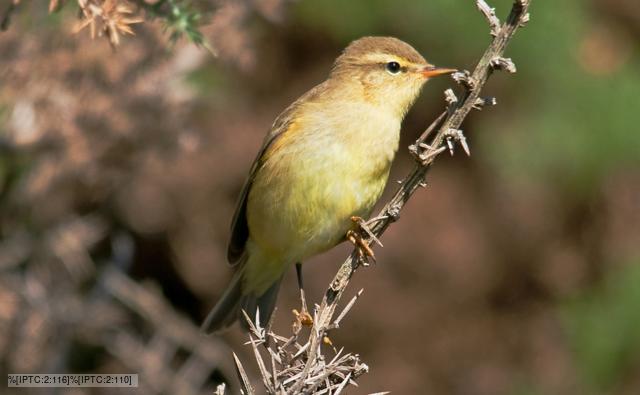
column 432, row 71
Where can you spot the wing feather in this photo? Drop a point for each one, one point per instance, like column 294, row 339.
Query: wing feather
column 239, row 225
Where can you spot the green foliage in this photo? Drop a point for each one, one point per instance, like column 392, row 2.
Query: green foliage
column 213, row 84
column 573, row 127
column 181, row 20
column 603, row 327
column 420, row 21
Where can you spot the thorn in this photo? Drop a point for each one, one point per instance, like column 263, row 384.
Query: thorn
column 465, row 146
column 413, row 149
column 244, row 379
column 423, row 184
column 450, row 145
column 525, row 19
column 428, row 152
column 435, row 124
column 450, row 97
column 506, row 64
column 393, row 213
column 377, row 219
column 347, row 308
column 426, row 146
column 482, row 102
column 457, row 135
column 429, row 155
column 464, row 78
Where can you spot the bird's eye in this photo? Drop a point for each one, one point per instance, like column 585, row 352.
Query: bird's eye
column 393, row 67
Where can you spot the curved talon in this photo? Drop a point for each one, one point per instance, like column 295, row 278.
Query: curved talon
column 364, row 251
column 364, row 225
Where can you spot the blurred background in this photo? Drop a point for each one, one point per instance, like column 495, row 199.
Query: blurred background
column 515, row 272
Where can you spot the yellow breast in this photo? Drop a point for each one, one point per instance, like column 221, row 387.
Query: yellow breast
column 332, row 164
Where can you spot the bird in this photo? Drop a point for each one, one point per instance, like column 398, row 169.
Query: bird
column 323, row 165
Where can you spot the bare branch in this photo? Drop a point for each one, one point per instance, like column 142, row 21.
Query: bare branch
column 450, row 97
column 456, row 135
column 346, row 309
column 490, row 14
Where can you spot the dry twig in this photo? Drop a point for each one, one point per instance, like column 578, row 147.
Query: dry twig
column 490, row 14
column 109, row 17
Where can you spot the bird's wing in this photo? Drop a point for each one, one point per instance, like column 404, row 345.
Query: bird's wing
column 239, row 226
column 282, row 124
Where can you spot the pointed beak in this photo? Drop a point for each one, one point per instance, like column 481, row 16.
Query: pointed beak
column 432, row 71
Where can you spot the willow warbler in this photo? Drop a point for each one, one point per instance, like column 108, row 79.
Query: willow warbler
column 325, row 160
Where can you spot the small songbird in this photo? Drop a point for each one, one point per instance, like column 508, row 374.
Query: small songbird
column 325, row 161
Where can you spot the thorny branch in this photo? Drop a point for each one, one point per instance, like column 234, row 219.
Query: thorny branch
column 426, row 153
column 305, row 378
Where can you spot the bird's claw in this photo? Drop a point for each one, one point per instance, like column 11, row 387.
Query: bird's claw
column 357, row 239
column 364, row 226
column 303, row 318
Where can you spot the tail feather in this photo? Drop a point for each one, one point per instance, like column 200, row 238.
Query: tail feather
column 233, row 301
column 265, row 303
column 227, row 310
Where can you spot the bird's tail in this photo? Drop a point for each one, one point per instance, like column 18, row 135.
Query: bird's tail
column 233, row 301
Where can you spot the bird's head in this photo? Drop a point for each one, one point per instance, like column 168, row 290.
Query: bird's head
column 385, row 71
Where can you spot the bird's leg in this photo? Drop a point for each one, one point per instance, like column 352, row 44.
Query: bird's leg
column 303, row 318
column 299, row 276
column 356, row 237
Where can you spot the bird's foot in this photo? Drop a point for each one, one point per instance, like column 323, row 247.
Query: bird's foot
column 356, row 237
column 364, row 251
column 303, row 317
